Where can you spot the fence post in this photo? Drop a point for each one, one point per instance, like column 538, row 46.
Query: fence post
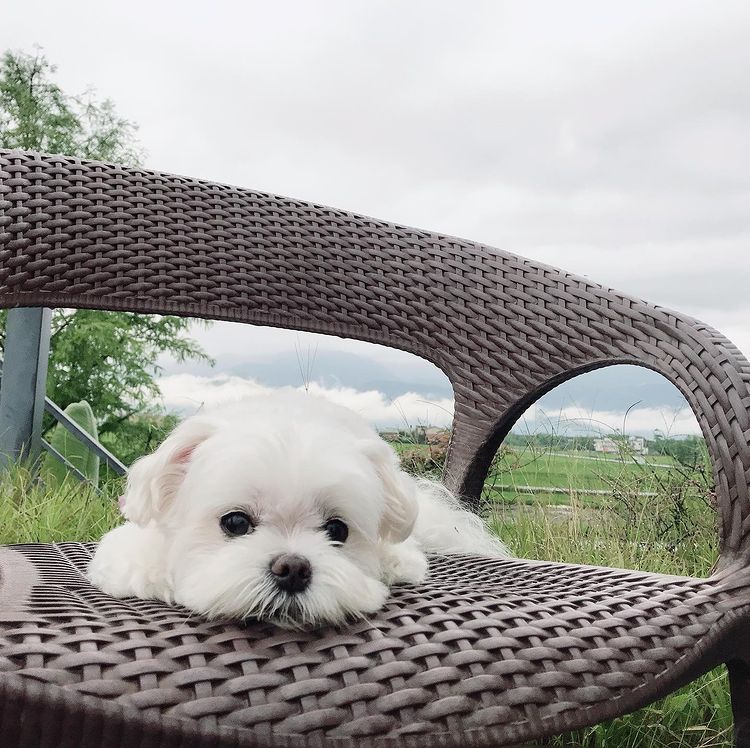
column 23, row 386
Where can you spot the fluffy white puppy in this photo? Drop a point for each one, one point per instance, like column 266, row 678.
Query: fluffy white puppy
column 286, row 508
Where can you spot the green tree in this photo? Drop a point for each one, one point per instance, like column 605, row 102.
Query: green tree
column 36, row 115
column 109, row 359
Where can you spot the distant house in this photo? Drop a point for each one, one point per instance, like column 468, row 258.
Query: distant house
column 634, row 444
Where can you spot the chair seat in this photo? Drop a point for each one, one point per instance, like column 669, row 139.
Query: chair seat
column 486, row 652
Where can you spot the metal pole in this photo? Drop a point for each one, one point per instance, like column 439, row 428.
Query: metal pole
column 24, row 381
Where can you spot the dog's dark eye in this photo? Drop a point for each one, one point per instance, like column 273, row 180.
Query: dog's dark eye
column 236, row 523
column 337, row 530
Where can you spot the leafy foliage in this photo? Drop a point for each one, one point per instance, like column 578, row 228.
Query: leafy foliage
column 35, row 114
column 109, row 359
column 688, row 451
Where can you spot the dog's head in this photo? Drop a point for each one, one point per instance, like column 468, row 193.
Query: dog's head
column 274, row 509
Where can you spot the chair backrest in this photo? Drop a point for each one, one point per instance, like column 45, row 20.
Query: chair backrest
column 505, row 330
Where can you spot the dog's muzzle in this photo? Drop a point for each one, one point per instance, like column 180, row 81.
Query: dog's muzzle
column 292, row 573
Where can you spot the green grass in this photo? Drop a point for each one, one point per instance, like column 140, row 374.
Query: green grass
column 579, row 470
column 405, row 446
column 513, row 498
column 31, row 514
column 603, row 536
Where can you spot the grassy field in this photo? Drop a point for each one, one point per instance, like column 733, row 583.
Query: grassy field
column 671, row 532
column 31, row 514
column 575, row 471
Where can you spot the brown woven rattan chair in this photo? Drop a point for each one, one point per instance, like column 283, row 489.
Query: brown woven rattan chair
column 487, row 652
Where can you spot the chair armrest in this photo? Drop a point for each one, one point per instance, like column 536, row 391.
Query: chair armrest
column 505, row 330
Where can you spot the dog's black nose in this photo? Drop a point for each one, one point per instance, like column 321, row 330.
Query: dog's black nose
column 291, row 573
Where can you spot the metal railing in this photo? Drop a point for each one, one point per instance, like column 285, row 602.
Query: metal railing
column 82, row 435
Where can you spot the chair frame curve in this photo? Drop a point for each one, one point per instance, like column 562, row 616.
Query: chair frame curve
column 505, row 330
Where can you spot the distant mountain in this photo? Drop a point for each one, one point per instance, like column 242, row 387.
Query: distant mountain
column 331, row 369
column 615, row 389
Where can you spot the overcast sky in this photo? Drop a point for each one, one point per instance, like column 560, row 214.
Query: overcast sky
column 611, row 139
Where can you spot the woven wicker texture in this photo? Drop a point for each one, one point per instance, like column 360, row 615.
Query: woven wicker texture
column 493, row 651
column 487, row 652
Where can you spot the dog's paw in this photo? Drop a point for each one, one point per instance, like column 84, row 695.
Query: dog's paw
column 129, row 562
column 403, row 562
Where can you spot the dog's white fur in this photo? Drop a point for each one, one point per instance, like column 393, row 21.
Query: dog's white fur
column 292, row 462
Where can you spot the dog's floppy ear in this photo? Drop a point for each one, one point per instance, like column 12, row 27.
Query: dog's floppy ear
column 400, row 491
column 154, row 479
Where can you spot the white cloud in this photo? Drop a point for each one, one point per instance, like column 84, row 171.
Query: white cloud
column 187, row 392
column 576, row 419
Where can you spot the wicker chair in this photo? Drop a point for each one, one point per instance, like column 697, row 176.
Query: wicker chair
column 487, row 652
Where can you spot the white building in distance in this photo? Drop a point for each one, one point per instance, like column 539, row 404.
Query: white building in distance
column 634, row 445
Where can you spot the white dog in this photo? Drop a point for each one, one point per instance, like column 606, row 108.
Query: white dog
column 285, row 508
